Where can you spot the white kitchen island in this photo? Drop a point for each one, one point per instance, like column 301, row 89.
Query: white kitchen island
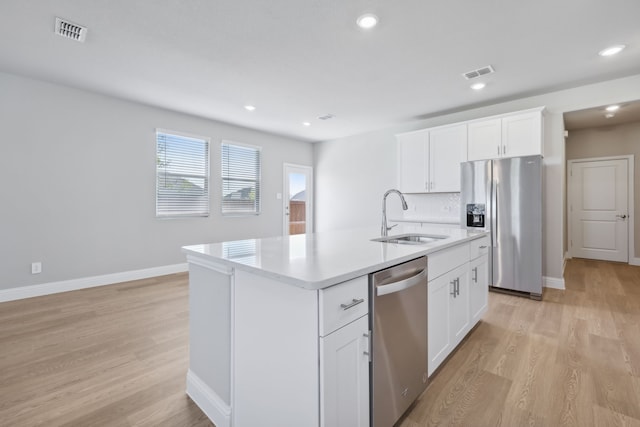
column 271, row 343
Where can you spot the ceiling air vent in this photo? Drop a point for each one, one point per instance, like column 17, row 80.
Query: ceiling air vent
column 70, row 30
column 326, row 117
column 478, row 72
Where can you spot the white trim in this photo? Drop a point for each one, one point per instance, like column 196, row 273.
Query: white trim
column 634, row 261
column 30, row 291
column 183, row 134
column 630, row 158
column 553, row 282
column 208, row 401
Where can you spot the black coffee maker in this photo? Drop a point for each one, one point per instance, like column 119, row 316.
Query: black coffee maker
column 475, row 215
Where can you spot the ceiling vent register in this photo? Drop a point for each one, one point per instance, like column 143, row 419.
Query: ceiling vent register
column 326, row 117
column 70, row 30
column 478, row 72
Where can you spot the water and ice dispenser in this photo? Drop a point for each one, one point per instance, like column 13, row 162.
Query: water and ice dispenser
column 475, row 215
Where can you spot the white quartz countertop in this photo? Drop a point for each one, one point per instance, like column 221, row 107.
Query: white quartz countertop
column 320, row 260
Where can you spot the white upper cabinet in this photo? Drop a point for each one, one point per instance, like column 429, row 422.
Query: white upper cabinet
column 429, row 160
column 512, row 135
column 447, row 149
column 485, row 139
column 522, row 134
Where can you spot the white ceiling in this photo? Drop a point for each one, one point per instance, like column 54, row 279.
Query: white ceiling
column 596, row 117
column 296, row 60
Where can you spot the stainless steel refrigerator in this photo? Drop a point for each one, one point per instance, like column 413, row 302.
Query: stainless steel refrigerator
column 505, row 197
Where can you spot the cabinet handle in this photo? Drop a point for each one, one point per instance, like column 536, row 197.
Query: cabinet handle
column 504, row 150
column 483, row 247
column 498, row 150
column 453, row 292
column 457, row 286
column 475, row 274
column 367, row 353
column 353, row 303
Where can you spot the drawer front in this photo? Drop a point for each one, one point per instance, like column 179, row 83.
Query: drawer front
column 447, row 259
column 479, row 247
column 343, row 303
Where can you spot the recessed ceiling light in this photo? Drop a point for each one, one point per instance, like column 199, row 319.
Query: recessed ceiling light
column 306, row 124
column 366, row 21
column 612, row 50
column 609, row 115
column 249, row 107
column 478, row 86
column 612, row 107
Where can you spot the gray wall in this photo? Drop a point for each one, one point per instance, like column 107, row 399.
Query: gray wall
column 362, row 167
column 78, row 184
column 611, row 141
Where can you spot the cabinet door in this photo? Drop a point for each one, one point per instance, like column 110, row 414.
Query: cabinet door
column 412, row 162
column 438, row 330
column 522, row 135
column 484, row 139
column 447, row 149
column 344, row 373
column 478, row 287
column 460, row 316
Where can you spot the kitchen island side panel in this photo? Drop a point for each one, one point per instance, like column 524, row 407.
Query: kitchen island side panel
column 276, row 362
column 210, row 328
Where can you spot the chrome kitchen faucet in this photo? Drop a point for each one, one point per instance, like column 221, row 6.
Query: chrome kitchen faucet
column 385, row 229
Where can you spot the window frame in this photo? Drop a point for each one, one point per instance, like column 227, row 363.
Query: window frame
column 206, row 176
column 258, row 181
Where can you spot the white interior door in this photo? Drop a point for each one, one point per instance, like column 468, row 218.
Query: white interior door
column 598, row 197
column 297, row 199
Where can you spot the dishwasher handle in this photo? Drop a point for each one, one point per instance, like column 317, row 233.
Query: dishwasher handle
column 402, row 284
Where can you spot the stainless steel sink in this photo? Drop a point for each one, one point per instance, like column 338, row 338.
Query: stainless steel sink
column 411, row 239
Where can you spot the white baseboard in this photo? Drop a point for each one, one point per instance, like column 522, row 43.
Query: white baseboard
column 208, row 401
column 553, row 282
column 22, row 292
column 634, row 261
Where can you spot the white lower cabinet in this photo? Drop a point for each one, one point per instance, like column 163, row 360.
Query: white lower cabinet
column 478, row 287
column 458, row 295
column 439, row 335
column 448, row 314
column 344, row 373
column 460, row 316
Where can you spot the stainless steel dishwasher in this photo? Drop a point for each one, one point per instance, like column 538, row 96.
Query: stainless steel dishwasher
column 399, row 339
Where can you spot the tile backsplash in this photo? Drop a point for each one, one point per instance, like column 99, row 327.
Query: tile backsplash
column 433, row 207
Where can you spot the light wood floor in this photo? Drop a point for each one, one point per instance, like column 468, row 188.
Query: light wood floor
column 117, row 356
column 110, row 356
column 571, row 360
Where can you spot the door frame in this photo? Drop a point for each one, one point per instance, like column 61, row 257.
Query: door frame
column 632, row 259
column 310, row 198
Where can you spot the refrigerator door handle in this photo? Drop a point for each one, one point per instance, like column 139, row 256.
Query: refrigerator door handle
column 494, row 215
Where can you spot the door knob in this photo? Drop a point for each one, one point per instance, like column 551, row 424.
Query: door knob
column 621, row 216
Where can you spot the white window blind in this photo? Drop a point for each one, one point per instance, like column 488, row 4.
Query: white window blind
column 241, row 170
column 182, row 175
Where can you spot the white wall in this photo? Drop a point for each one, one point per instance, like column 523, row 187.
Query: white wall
column 78, row 184
column 362, row 167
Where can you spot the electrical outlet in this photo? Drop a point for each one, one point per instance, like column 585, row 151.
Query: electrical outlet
column 36, row 267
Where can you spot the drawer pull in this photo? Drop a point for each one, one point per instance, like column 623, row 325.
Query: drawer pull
column 475, row 274
column 483, row 247
column 353, row 303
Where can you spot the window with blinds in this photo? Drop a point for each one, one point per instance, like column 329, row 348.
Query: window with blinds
column 182, row 175
column 241, row 171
